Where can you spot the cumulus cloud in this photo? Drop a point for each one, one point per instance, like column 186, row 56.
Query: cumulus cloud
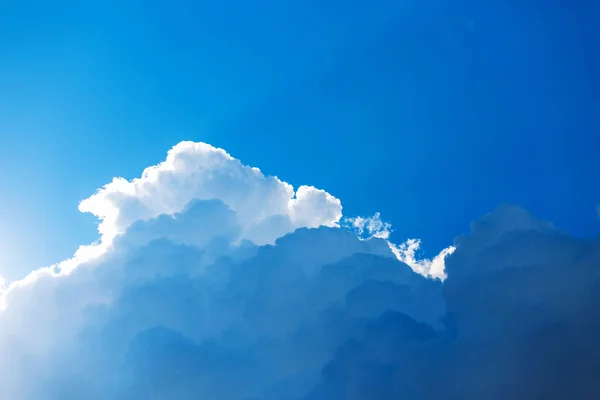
column 213, row 281
column 523, row 305
column 198, row 171
column 204, row 252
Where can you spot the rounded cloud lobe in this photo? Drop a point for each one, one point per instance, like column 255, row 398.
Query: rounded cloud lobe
column 213, row 281
column 198, row 171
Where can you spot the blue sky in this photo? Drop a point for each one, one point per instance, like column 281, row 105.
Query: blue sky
column 430, row 113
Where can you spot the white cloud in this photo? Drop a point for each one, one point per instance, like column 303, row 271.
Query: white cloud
column 175, row 300
column 369, row 226
column 406, row 252
column 266, row 207
column 175, row 250
column 375, row 227
column 198, row 171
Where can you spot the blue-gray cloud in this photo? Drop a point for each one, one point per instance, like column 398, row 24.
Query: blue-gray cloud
column 193, row 292
column 523, row 312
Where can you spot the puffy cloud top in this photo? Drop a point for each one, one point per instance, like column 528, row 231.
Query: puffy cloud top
column 266, row 207
column 213, row 281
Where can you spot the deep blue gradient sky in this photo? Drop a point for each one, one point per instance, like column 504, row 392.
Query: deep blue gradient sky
column 430, row 112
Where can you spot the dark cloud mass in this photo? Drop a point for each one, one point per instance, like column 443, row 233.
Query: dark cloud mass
column 181, row 306
column 522, row 322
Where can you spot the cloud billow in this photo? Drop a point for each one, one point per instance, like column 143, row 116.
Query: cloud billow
column 213, row 281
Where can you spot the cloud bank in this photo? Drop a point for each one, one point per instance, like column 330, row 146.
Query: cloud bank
column 210, row 280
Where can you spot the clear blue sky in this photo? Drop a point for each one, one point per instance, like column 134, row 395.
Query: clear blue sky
column 430, row 112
